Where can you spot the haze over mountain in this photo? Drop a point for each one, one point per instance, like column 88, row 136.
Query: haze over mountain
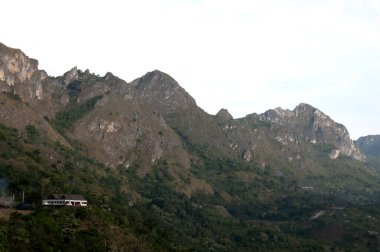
column 168, row 175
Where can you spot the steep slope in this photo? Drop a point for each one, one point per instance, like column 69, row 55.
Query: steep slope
column 370, row 146
column 27, row 93
column 164, row 175
column 166, row 97
column 119, row 130
column 16, row 68
column 135, row 125
column 315, row 127
column 99, row 112
column 302, row 145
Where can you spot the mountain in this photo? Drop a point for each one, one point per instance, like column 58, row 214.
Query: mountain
column 370, row 146
column 165, row 175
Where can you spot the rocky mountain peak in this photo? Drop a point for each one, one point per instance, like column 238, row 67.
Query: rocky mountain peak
column 114, row 80
column 224, row 115
column 19, row 75
column 277, row 115
column 162, row 91
column 110, row 76
column 312, row 125
column 159, row 93
column 70, row 75
column 156, row 78
column 280, row 115
column 303, row 108
column 16, row 67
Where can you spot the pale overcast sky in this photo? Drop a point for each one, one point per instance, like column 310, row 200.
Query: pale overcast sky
column 244, row 55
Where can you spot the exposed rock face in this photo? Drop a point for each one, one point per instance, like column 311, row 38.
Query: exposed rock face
column 70, row 76
column 311, row 125
column 18, row 70
column 153, row 117
column 123, row 135
column 180, row 111
column 334, row 154
column 15, row 66
column 224, row 115
column 247, row 156
column 159, row 89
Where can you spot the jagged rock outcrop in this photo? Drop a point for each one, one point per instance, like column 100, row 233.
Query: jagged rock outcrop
column 153, row 117
column 162, row 91
column 310, row 124
column 128, row 134
column 190, row 165
column 224, row 115
column 19, row 74
column 70, row 75
column 179, row 110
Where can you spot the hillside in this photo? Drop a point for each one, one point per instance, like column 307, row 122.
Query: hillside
column 161, row 174
column 370, row 146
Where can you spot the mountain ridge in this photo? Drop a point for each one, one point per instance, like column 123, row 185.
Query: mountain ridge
column 161, row 174
column 165, row 96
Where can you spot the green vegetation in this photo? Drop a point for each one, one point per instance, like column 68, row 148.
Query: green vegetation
column 370, row 146
column 3, row 235
column 200, row 195
column 84, row 229
column 64, row 120
column 49, row 229
column 374, row 161
column 32, row 132
column 131, row 213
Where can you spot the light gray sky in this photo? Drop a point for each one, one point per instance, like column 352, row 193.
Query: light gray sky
column 244, row 55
